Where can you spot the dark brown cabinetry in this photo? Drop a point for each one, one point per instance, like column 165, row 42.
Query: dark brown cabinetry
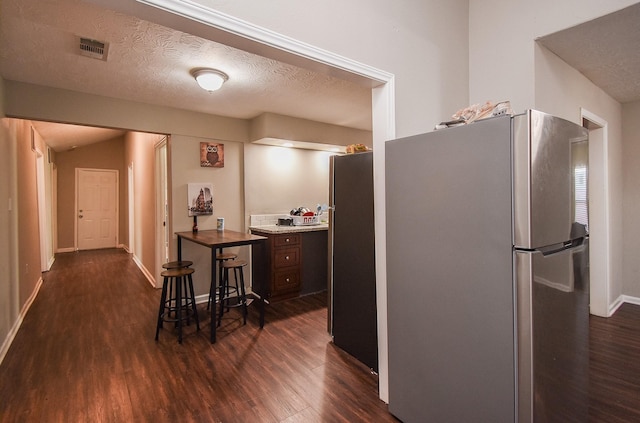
column 296, row 264
column 285, row 266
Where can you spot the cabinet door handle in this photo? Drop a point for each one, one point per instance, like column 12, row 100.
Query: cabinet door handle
column 287, row 257
column 287, row 279
column 286, row 240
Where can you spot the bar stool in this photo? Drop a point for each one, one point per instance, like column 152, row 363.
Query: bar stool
column 182, row 305
column 177, row 264
column 220, row 258
column 226, row 289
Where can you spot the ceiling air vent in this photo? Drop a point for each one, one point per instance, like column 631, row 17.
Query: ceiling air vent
column 93, row 48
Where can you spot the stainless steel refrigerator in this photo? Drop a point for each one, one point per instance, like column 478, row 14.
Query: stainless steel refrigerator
column 353, row 323
column 487, row 272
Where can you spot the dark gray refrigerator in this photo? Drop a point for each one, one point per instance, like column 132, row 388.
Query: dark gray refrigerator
column 353, row 321
column 486, row 273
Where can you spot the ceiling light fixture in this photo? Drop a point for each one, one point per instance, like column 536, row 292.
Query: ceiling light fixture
column 209, row 79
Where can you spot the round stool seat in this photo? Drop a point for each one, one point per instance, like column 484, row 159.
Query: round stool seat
column 233, row 264
column 226, row 256
column 177, row 264
column 174, row 273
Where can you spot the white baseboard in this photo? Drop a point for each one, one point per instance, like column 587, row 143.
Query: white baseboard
column 144, row 270
column 621, row 300
column 16, row 326
column 51, row 261
column 66, row 250
column 202, row 298
column 631, row 300
column 615, row 305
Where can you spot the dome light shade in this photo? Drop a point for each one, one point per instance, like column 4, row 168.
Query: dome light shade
column 209, row 79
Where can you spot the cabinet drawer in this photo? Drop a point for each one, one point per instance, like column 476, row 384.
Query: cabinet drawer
column 286, row 257
column 288, row 239
column 286, row 281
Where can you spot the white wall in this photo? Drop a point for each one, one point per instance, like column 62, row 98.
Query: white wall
column 278, row 179
column 501, row 43
column 563, row 91
column 631, row 199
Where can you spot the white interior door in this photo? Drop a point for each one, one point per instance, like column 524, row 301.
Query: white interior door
column 97, row 208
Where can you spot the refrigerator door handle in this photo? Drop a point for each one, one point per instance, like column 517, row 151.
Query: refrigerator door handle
column 558, row 248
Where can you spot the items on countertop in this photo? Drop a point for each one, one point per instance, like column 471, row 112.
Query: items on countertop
column 304, row 216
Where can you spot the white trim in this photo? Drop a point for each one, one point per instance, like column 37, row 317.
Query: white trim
column 384, row 129
column 66, row 250
column 131, row 215
column 629, row 300
column 144, row 270
column 614, row 306
column 622, row 299
column 45, row 254
column 213, row 18
column 16, row 325
column 162, row 209
column 604, row 310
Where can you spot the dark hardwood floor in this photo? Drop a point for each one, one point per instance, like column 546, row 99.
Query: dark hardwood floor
column 614, row 366
column 85, row 353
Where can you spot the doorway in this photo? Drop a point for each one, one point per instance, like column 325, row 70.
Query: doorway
column 162, row 208
column 46, row 252
column 598, row 206
column 96, row 208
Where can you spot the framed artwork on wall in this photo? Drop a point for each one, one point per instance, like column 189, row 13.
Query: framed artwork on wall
column 200, row 197
column 211, row 154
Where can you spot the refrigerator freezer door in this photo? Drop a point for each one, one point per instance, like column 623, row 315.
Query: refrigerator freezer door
column 543, row 178
column 553, row 336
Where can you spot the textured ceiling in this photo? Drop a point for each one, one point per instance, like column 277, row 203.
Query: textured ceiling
column 605, row 50
column 150, row 63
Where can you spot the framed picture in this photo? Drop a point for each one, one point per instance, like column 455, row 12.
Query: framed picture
column 211, row 154
column 200, row 199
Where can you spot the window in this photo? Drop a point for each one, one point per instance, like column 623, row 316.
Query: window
column 581, row 196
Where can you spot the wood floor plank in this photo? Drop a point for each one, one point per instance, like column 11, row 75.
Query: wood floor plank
column 86, row 352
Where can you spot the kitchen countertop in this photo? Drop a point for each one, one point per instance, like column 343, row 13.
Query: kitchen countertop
column 275, row 229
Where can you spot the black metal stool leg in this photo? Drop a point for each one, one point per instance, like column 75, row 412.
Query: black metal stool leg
column 243, row 297
column 179, row 306
column 222, row 293
column 193, row 303
column 163, row 299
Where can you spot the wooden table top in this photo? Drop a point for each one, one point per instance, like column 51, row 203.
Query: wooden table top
column 218, row 239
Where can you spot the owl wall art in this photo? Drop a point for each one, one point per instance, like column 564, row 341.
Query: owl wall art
column 211, row 154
